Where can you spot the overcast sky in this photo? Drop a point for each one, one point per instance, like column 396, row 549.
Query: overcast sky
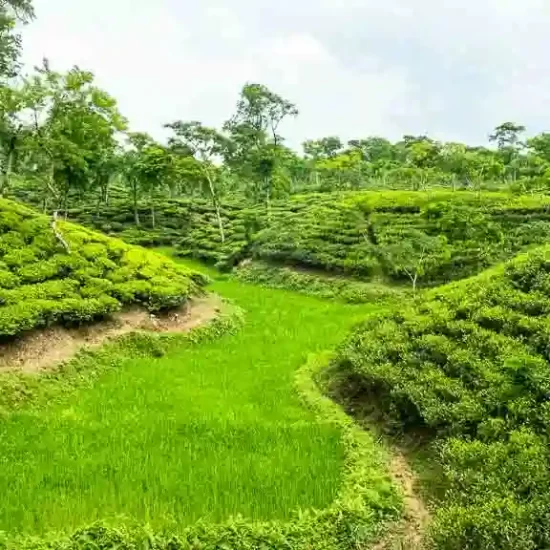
column 451, row 68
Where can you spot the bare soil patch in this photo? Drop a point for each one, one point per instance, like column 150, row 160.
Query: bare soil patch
column 408, row 533
column 47, row 348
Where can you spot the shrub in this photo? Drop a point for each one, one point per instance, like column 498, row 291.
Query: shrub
column 469, row 366
column 315, row 284
column 434, row 237
column 41, row 284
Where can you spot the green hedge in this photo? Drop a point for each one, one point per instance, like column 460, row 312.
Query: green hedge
column 393, row 235
column 316, row 284
column 41, row 283
column 469, row 367
column 190, row 226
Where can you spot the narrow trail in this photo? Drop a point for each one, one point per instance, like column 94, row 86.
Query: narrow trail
column 44, row 349
column 409, row 532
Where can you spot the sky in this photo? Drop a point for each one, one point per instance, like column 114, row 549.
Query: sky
column 452, row 69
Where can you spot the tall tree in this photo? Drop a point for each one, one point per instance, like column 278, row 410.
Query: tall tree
column 374, row 149
column 12, row 129
column 131, row 168
column 507, row 136
column 261, row 112
column 72, row 125
column 12, row 12
column 324, row 148
column 208, row 146
column 254, row 130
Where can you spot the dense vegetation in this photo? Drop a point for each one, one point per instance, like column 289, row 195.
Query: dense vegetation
column 64, row 142
column 412, row 238
column 70, row 275
column 318, row 284
column 166, row 432
column 469, row 367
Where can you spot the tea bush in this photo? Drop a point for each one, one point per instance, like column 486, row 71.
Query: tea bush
column 401, row 237
column 316, row 284
column 41, row 283
column 469, row 367
column 191, row 226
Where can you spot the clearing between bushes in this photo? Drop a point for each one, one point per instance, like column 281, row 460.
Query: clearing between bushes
column 199, row 432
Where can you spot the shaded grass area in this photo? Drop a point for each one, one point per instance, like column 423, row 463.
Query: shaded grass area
column 205, row 431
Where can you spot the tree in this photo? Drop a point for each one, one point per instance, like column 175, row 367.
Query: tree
column 415, row 254
column 324, row 148
column 106, row 167
column 507, row 138
column 344, row 170
column 12, row 102
column 155, row 167
column 207, row 145
column 255, row 140
column 540, row 145
column 12, row 12
column 72, row 126
column 373, row 149
column 261, row 112
column 131, row 167
column 507, row 135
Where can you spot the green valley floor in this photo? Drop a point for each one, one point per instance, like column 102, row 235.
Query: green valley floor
column 207, row 431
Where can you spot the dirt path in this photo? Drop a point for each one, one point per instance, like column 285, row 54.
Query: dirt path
column 407, row 534
column 47, row 348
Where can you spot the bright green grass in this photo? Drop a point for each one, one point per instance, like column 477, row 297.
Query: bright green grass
column 206, row 431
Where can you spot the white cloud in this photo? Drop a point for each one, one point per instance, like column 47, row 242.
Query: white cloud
column 354, row 67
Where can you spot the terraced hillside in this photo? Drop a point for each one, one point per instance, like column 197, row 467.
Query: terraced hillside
column 469, row 369
column 66, row 274
column 420, row 238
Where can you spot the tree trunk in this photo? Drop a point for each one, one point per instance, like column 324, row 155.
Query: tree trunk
column 268, row 200
column 216, row 206
column 220, row 222
column 6, row 176
column 153, row 217
column 58, row 235
column 65, row 201
column 135, row 201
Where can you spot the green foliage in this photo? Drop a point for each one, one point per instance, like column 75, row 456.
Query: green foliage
column 42, row 284
column 469, row 366
column 190, row 225
column 316, row 284
column 395, row 236
column 196, row 441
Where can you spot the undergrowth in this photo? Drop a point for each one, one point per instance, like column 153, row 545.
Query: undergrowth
column 316, row 283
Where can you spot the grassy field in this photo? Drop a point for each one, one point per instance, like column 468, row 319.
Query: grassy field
column 206, row 431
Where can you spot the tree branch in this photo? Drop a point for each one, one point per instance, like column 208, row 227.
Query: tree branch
column 58, row 235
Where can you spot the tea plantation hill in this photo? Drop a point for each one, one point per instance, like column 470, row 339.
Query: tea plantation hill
column 43, row 283
column 467, row 372
column 395, row 237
